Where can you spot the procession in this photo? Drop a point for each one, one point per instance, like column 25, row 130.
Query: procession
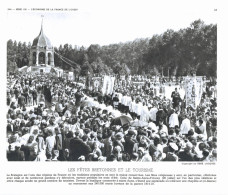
column 96, row 105
column 55, row 119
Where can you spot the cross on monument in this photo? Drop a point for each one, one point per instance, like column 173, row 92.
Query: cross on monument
column 42, row 16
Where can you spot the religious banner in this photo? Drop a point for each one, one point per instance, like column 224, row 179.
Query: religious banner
column 96, row 83
column 105, row 83
column 108, row 85
column 112, row 85
column 193, row 91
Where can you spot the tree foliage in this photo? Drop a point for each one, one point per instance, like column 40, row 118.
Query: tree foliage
column 177, row 52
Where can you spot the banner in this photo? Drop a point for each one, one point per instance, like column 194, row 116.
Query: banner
column 193, row 91
column 108, row 85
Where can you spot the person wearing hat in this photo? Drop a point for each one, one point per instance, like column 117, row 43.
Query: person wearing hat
column 187, row 154
column 170, row 155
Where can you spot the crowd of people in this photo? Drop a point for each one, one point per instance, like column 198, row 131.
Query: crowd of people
column 54, row 119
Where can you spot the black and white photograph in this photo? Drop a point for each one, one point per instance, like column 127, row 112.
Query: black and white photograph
column 113, row 97
column 111, row 85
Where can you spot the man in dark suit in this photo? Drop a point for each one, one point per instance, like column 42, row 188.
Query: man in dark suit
column 129, row 142
column 115, row 101
column 160, row 115
column 34, row 96
column 187, row 154
column 176, row 98
column 58, row 143
column 16, row 155
column 21, row 101
column 108, row 144
column 78, row 148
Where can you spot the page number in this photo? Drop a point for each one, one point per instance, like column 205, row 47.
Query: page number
column 215, row 10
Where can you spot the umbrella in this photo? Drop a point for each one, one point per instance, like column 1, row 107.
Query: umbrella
column 121, row 120
column 139, row 123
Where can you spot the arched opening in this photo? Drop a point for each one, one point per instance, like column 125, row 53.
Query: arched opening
column 49, row 58
column 41, row 58
column 34, row 58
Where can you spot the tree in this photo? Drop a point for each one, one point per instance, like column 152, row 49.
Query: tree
column 86, row 69
column 93, row 52
column 180, row 52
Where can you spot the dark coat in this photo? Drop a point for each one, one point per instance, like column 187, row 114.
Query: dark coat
column 21, row 100
column 160, row 115
column 107, row 147
column 183, row 156
column 16, row 155
column 129, row 145
column 58, row 142
column 78, row 148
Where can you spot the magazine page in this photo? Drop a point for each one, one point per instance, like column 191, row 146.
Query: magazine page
column 113, row 97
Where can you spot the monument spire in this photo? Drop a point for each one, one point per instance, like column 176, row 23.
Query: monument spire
column 42, row 16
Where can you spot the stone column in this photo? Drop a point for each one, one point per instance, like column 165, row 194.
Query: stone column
column 37, row 58
column 52, row 58
column 46, row 57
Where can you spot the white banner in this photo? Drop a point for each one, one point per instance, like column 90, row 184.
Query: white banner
column 108, row 85
column 193, row 91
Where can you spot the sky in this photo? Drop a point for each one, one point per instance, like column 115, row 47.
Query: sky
column 105, row 23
